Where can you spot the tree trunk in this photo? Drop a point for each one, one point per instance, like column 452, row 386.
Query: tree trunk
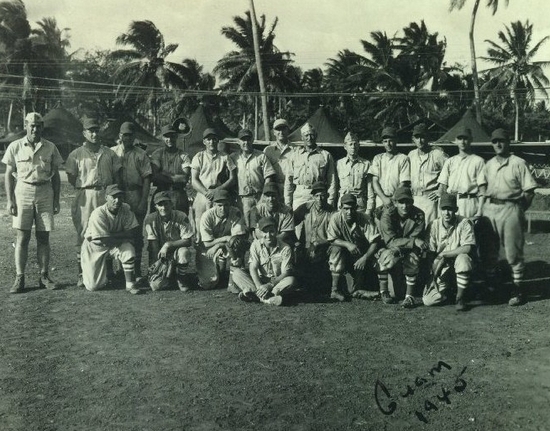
column 9, row 116
column 475, row 77
column 516, row 122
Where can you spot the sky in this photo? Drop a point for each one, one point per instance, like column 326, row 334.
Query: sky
column 314, row 30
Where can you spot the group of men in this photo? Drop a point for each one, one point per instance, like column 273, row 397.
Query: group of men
column 300, row 217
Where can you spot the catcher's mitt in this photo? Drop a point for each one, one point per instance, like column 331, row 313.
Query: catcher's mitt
column 237, row 246
column 159, row 273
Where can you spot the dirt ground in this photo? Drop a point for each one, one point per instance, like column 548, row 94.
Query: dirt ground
column 74, row 360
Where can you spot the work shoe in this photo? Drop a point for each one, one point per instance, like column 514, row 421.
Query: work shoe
column 517, row 299
column 386, row 297
column 18, row 284
column 460, row 304
column 80, row 282
column 408, row 302
column 364, row 294
column 248, row 297
column 133, row 290
column 182, row 286
column 274, row 300
column 232, row 288
column 337, row 296
column 46, row 282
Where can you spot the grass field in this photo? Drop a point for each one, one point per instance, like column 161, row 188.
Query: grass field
column 75, row 360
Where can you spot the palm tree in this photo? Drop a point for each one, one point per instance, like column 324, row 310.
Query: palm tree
column 515, row 71
column 459, row 4
column 146, row 70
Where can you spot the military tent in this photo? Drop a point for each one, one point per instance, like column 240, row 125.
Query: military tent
column 468, row 120
column 327, row 133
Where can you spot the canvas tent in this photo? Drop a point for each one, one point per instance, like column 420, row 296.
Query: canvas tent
column 467, row 120
column 327, row 133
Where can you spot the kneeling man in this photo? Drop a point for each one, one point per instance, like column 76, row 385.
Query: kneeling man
column 109, row 234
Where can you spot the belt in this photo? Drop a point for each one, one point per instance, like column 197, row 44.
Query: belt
column 501, row 201
column 466, row 195
column 251, row 195
column 36, row 183
column 92, row 188
column 303, row 186
column 424, row 192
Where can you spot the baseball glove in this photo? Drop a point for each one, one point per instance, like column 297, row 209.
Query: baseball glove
column 237, row 246
column 159, row 273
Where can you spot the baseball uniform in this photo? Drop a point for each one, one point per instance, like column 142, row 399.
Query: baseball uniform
column 391, row 170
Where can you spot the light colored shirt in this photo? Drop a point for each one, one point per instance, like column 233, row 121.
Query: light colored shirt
column 391, row 170
column 173, row 163
column 103, row 223
column 93, row 169
column 212, row 168
column 425, row 169
column 463, row 174
column 362, row 232
column 175, row 229
column 280, row 160
column 459, row 234
column 252, row 171
column 353, row 176
column 272, row 262
column 212, row 226
column 508, row 181
column 135, row 165
column 283, row 216
column 33, row 165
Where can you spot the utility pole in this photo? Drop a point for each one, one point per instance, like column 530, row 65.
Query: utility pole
column 263, row 93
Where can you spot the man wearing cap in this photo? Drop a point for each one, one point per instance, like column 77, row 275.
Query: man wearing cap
column 313, row 243
column 463, row 175
column 171, row 169
column 210, row 171
column 354, row 240
column 34, row 198
column 109, row 233
column 279, row 152
column 510, row 191
column 90, row 168
column 426, row 164
column 309, row 164
column 223, row 233
column 271, row 276
column 136, row 181
column 253, row 171
column 270, row 205
column 353, row 175
column 402, row 228
column 451, row 244
column 389, row 170
column 170, row 236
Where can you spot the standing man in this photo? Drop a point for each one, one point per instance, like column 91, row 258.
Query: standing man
column 510, row 191
column 253, row 171
column 90, row 168
column 210, row 171
column 463, row 175
column 170, row 236
column 136, row 182
column 426, row 163
column 354, row 241
column 34, row 199
column 171, row 169
column 279, row 153
column 389, row 170
column 353, row 175
column 402, row 228
column 309, row 164
column 109, row 232
column 451, row 244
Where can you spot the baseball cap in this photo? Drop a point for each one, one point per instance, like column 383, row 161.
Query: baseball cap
column 402, row 193
column 349, row 199
column 319, row 186
column 34, row 117
column 127, row 127
column 210, row 132
column 270, row 188
column 280, row 122
column 168, row 130
column 244, row 133
column 499, row 134
column 464, row 132
column 221, row 195
column 90, row 123
column 266, row 222
column 389, row 132
column 113, row 189
column 448, row 200
column 420, row 130
column 162, row 197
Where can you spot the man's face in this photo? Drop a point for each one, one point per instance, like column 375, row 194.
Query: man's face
column 389, row 144
column 320, row 199
column 127, row 139
column 350, row 212
column 246, row 144
column 404, row 206
column 270, row 200
column 281, row 133
column 170, row 140
column 501, row 147
column 420, row 141
column 352, row 148
column 222, row 208
column 211, row 143
column 463, row 143
column 164, row 208
column 310, row 139
column 91, row 135
column 34, row 130
column 268, row 235
column 448, row 214
column 114, row 202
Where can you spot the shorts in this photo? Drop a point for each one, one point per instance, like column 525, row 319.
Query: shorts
column 34, row 206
